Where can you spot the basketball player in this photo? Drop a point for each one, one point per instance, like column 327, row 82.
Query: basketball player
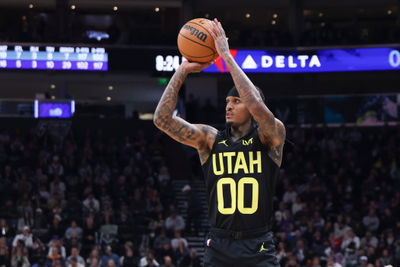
column 240, row 164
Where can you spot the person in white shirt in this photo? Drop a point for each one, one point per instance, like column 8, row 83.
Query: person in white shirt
column 351, row 237
column 290, row 195
column 75, row 254
column 149, row 258
column 178, row 239
column 25, row 236
column 91, row 203
column 340, row 229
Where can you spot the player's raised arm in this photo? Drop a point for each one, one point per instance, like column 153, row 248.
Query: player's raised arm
column 194, row 135
column 272, row 131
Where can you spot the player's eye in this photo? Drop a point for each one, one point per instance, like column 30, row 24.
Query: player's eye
column 237, row 101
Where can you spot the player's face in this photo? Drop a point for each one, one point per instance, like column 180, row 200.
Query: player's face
column 236, row 111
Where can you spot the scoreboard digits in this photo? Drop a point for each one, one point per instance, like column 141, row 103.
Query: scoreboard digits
column 53, row 58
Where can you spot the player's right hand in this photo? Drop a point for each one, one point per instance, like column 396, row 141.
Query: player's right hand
column 190, row 67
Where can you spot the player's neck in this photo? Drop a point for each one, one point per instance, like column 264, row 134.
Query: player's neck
column 238, row 131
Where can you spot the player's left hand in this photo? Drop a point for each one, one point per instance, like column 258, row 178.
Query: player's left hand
column 220, row 39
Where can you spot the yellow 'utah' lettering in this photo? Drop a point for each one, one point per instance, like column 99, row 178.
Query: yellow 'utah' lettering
column 229, row 156
column 253, row 162
column 240, row 163
column 233, row 162
column 221, row 164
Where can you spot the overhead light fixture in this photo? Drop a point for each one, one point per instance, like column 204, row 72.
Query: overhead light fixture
column 30, row 5
column 322, row 24
column 110, row 87
column 115, row 8
column 389, row 12
column 52, row 86
column 320, row 14
column 273, row 22
column 207, row 15
column 275, row 15
column 53, row 97
column 108, row 98
column 157, row 9
column 247, row 15
column 73, row 7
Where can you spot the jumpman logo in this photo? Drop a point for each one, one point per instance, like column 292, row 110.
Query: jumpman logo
column 223, row 142
column 262, row 248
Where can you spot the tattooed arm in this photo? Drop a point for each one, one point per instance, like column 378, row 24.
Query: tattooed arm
column 198, row 136
column 271, row 130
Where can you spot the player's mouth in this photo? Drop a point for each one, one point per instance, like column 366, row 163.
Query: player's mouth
column 228, row 115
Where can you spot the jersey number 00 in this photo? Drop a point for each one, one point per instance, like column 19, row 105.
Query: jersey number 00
column 239, row 189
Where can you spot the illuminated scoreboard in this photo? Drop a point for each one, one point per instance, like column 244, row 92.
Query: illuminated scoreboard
column 53, row 58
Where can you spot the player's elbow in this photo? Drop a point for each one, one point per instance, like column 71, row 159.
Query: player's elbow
column 160, row 122
column 157, row 121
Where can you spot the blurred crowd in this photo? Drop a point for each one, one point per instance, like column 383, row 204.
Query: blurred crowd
column 338, row 198
column 98, row 200
column 88, row 200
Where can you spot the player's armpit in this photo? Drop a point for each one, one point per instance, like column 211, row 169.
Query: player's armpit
column 274, row 137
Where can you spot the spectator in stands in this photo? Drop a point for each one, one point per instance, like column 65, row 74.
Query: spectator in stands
column 371, row 221
column 167, row 262
column 25, row 220
column 161, row 239
column 4, row 253
column 57, row 169
column 163, row 177
column 75, row 254
column 94, row 258
column 109, row 255
column 165, row 250
column 54, row 255
column 19, row 255
column 174, row 222
column 56, row 229
column 6, row 231
column 129, row 259
column 95, row 262
column 148, row 260
column 60, row 249
column 341, row 229
column 91, row 204
column 73, row 262
column 191, row 259
column 25, row 237
column 363, row 261
column 73, row 231
column 369, row 240
column 350, row 238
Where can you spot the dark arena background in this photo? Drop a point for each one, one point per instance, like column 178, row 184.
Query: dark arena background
column 88, row 180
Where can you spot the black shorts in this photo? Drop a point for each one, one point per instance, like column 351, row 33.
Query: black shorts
column 247, row 252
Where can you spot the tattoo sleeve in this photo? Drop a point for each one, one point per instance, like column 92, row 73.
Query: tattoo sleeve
column 182, row 131
column 250, row 96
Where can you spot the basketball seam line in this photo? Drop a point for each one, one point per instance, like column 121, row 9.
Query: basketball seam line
column 200, row 26
column 197, row 42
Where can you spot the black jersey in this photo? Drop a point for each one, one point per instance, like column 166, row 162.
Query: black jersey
column 240, row 181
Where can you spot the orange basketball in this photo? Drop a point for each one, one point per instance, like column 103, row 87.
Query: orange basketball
column 195, row 42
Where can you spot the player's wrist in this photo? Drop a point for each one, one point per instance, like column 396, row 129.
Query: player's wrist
column 183, row 69
column 226, row 55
